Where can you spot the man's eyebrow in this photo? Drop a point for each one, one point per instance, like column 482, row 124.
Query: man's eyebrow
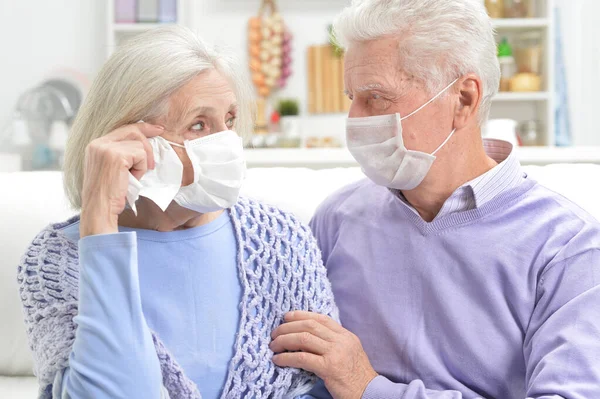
column 367, row 87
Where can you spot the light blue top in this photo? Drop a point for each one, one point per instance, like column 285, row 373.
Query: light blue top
column 62, row 280
column 190, row 293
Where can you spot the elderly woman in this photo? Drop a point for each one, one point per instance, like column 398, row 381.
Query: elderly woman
column 167, row 284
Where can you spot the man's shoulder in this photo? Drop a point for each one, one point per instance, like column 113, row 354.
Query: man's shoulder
column 351, row 198
column 563, row 224
column 561, row 207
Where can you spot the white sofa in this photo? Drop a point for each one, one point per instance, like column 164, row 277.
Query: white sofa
column 29, row 201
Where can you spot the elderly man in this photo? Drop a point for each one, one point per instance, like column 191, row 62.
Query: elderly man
column 458, row 275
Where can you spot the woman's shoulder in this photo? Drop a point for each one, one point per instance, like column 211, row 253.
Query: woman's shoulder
column 277, row 241
column 55, row 235
column 48, row 269
column 257, row 216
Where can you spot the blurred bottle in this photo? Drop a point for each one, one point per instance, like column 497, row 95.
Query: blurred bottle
column 274, row 125
column 57, row 140
column 508, row 66
column 529, row 52
column 529, row 133
column 518, row 9
column 495, row 8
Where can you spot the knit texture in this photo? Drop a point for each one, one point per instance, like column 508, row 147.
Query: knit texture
column 280, row 269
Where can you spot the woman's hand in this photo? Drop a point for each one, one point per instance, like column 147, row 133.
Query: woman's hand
column 108, row 162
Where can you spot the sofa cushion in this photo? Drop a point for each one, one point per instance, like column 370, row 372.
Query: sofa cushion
column 18, row 387
column 31, row 200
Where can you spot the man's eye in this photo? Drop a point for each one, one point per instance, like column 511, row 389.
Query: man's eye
column 230, row 121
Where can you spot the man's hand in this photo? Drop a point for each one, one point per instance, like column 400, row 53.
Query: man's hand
column 326, row 349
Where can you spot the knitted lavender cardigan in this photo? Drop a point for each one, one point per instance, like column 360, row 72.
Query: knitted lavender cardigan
column 280, row 269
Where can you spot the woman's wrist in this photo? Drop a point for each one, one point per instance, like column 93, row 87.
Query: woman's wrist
column 97, row 220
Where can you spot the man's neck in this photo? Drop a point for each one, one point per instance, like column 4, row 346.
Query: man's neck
column 455, row 165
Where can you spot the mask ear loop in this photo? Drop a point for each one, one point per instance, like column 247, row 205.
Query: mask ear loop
column 430, row 101
column 175, row 144
column 444, row 143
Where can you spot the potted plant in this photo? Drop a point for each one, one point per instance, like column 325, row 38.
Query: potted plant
column 288, row 110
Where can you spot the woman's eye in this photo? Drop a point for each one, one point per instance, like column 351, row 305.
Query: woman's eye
column 230, row 122
column 198, row 127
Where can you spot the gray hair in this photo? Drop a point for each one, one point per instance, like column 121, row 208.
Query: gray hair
column 440, row 40
column 136, row 83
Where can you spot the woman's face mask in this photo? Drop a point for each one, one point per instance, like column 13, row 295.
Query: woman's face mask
column 219, row 170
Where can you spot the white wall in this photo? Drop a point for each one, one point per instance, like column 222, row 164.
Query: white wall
column 39, row 36
column 225, row 22
column 581, row 32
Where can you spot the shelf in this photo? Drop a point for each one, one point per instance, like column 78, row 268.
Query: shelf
column 520, row 23
column 546, row 155
column 340, row 157
column 516, row 97
column 138, row 27
column 331, row 157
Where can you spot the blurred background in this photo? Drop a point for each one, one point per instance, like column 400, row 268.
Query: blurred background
column 549, row 51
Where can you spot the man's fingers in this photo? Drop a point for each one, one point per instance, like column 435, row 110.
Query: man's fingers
column 301, row 360
column 299, row 315
column 310, row 326
column 302, row 341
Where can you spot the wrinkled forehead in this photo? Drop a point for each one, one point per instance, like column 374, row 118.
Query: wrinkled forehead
column 374, row 65
column 208, row 95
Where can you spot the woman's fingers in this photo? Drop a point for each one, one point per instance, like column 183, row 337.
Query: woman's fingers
column 108, row 161
column 135, row 155
column 150, row 130
column 140, row 132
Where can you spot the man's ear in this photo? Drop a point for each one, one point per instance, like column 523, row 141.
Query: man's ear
column 470, row 94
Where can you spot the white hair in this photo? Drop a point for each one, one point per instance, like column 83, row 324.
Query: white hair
column 440, row 40
column 135, row 84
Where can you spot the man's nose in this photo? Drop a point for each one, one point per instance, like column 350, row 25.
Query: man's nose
column 356, row 111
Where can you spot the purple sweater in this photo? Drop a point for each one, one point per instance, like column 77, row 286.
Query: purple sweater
column 502, row 301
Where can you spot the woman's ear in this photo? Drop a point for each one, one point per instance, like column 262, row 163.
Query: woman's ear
column 470, row 94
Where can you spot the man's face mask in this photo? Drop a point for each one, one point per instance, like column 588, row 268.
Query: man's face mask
column 377, row 145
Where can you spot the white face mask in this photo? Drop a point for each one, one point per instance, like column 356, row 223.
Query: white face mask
column 219, row 170
column 377, row 145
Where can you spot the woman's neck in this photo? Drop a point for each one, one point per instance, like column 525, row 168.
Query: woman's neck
column 175, row 217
